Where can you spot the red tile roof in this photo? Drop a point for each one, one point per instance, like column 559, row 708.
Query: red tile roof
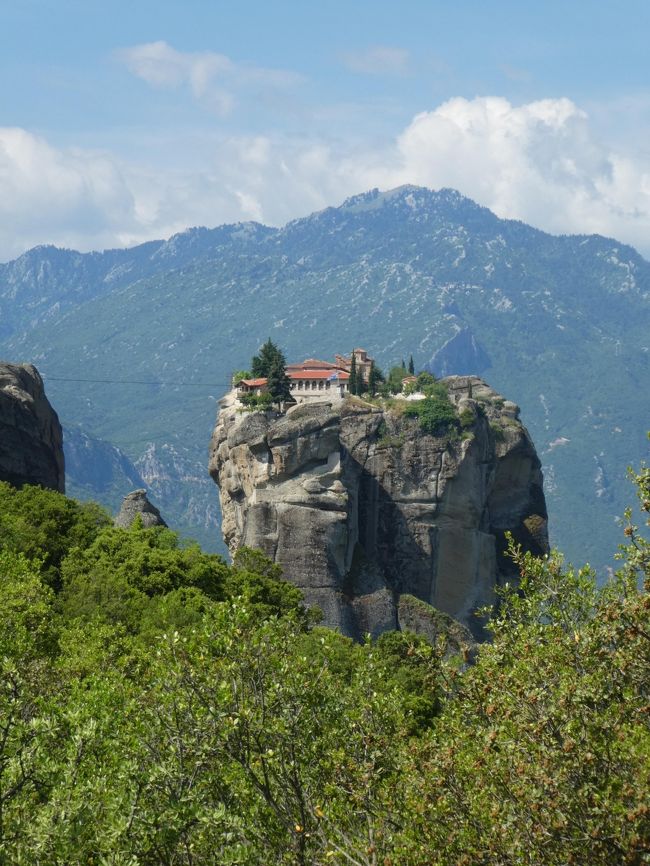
column 312, row 364
column 310, row 370
column 318, row 374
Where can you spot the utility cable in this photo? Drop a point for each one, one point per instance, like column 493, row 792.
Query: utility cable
column 135, row 382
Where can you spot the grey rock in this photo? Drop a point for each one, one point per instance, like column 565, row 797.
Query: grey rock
column 419, row 617
column 361, row 508
column 31, row 439
column 136, row 504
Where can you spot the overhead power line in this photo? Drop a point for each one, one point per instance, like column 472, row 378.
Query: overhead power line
column 136, row 382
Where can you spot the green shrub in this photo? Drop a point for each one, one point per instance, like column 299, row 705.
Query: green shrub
column 395, row 378
column 389, row 441
column 435, row 412
column 45, row 525
column 385, row 439
column 257, row 578
column 466, row 419
column 425, row 380
column 115, row 578
column 257, row 402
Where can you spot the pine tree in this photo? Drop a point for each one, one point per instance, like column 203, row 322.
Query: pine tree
column 353, row 385
column 269, row 353
column 411, row 366
column 278, row 383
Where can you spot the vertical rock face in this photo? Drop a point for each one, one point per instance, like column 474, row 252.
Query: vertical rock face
column 31, row 441
column 362, row 509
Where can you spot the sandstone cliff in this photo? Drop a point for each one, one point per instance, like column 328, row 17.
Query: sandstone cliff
column 362, row 509
column 31, row 441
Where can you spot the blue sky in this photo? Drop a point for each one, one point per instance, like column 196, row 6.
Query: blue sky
column 122, row 121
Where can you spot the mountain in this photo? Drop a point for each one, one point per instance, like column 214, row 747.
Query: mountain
column 560, row 324
column 95, row 468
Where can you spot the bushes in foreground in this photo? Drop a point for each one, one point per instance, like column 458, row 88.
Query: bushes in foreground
column 159, row 706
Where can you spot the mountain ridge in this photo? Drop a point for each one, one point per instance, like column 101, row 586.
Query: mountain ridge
column 444, row 195
column 563, row 320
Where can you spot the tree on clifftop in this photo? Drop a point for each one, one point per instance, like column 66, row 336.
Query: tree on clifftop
column 375, row 376
column 353, row 386
column 269, row 353
column 278, row 384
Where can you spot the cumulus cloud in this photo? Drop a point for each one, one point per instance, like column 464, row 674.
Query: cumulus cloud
column 378, row 60
column 540, row 162
column 213, row 79
column 55, row 196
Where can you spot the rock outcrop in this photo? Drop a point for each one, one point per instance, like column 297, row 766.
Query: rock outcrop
column 136, row 504
column 31, row 440
column 361, row 508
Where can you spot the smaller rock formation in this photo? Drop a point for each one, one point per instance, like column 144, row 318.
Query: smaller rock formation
column 136, row 504
column 31, row 440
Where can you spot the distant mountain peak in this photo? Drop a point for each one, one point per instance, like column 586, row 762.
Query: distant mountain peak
column 410, row 197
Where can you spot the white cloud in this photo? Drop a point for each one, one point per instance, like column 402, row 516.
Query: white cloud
column 213, row 79
column 540, row 162
column 378, row 60
column 54, row 196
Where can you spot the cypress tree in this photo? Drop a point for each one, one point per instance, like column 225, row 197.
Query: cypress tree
column 373, row 379
column 411, row 366
column 278, row 384
column 353, row 384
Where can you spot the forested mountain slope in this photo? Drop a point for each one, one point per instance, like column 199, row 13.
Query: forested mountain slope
column 559, row 324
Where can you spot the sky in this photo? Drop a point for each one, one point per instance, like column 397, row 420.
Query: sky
column 126, row 121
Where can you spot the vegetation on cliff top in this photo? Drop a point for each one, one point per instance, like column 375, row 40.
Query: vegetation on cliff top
column 159, row 706
column 435, row 411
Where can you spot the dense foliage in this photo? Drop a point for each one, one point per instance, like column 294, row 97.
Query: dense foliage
column 255, row 402
column 436, row 412
column 159, row 706
column 395, row 378
column 269, row 356
column 271, row 365
column 238, row 375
